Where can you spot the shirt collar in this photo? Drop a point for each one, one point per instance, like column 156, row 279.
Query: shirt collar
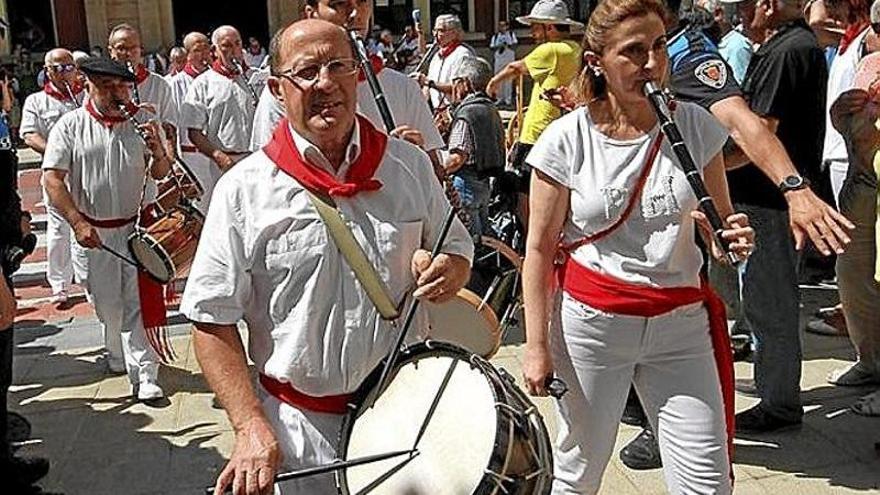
column 315, row 156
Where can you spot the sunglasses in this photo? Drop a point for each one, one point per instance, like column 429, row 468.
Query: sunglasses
column 63, row 68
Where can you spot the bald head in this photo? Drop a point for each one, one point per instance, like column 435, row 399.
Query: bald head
column 58, row 56
column 298, row 35
column 224, row 32
column 191, row 39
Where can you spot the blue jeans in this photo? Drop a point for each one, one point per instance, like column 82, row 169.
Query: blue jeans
column 474, row 193
column 770, row 306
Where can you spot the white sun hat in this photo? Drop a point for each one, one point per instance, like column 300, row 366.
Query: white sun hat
column 549, row 12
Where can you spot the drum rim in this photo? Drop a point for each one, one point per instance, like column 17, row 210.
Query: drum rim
column 189, row 173
column 503, row 432
column 165, row 258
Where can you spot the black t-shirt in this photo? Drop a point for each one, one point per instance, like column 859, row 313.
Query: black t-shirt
column 699, row 74
column 786, row 80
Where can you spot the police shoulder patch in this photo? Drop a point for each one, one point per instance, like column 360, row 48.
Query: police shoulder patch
column 712, row 73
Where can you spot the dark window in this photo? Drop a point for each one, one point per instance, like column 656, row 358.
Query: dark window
column 457, row 7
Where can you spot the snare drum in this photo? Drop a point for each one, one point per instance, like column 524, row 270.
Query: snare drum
column 467, row 322
column 483, row 437
column 165, row 248
column 179, row 184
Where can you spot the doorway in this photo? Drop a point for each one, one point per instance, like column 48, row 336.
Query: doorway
column 206, row 15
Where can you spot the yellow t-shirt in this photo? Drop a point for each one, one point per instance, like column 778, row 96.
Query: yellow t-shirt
column 551, row 65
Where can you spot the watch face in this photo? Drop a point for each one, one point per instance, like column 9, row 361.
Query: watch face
column 793, row 181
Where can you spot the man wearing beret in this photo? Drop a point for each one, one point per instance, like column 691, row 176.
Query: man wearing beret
column 105, row 161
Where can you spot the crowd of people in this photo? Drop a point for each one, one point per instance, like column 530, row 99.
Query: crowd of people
column 310, row 184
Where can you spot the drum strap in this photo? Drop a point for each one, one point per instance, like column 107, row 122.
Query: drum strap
column 354, row 255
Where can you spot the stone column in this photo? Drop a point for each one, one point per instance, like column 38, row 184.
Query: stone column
column 96, row 23
column 282, row 13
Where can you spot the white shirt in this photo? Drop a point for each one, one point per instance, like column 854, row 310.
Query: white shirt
column 841, row 75
column 222, row 108
column 180, row 84
column 266, row 257
column 41, row 111
column 105, row 167
column 440, row 70
column 655, row 245
column 506, row 40
column 254, row 60
column 156, row 90
column 404, row 99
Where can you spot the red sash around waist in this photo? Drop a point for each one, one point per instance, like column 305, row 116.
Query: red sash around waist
column 109, row 223
column 330, row 404
column 613, row 295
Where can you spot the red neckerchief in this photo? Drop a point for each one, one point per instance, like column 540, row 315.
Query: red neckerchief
column 282, row 150
column 109, row 121
column 191, row 70
column 377, row 64
column 445, row 51
column 226, row 72
column 851, row 33
column 64, row 96
column 141, row 74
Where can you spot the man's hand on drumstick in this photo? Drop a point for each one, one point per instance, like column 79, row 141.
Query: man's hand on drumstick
column 86, row 235
column 438, row 280
column 255, row 459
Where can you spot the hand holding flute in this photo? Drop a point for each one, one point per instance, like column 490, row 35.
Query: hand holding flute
column 732, row 238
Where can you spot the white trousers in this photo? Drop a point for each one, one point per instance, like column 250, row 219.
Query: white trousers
column 669, row 359
column 207, row 172
column 112, row 287
column 505, row 90
column 307, row 439
column 837, row 170
column 58, row 238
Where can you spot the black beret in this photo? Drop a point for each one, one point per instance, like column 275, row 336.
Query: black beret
column 102, row 66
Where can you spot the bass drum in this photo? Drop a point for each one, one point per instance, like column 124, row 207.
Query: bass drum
column 473, row 429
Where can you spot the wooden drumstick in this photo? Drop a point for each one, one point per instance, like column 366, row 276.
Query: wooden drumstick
column 120, row 256
column 329, row 468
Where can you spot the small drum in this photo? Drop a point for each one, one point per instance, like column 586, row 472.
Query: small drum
column 483, row 435
column 165, row 248
column 467, row 322
column 180, row 184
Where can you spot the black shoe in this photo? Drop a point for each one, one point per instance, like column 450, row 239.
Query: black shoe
column 746, row 386
column 633, row 413
column 642, row 452
column 757, row 420
column 24, row 471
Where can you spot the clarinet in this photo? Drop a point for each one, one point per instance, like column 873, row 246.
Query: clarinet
column 135, row 92
column 660, row 104
column 423, row 64
column 123, row 109
column 240, row 69
column 72, row 96
column 381, row 103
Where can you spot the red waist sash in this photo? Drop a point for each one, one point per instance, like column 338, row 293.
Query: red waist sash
column 613, row 295
column 330, row 404
column 109, row 223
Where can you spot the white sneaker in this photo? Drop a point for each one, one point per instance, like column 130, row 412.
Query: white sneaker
column 59, row 298
column 149, row 391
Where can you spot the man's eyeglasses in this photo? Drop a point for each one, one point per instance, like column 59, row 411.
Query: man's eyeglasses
column 63, row 68
column 308, row 74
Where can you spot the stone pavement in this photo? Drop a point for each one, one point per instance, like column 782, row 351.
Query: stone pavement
column 101, row 442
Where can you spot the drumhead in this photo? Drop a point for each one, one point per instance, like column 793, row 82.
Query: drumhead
column 457, row 445
column 461, row 323
column 151, row 257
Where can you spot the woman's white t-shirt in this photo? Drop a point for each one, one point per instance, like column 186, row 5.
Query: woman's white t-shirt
column 655, row 246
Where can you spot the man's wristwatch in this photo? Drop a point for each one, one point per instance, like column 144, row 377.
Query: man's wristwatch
column 793, row 183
